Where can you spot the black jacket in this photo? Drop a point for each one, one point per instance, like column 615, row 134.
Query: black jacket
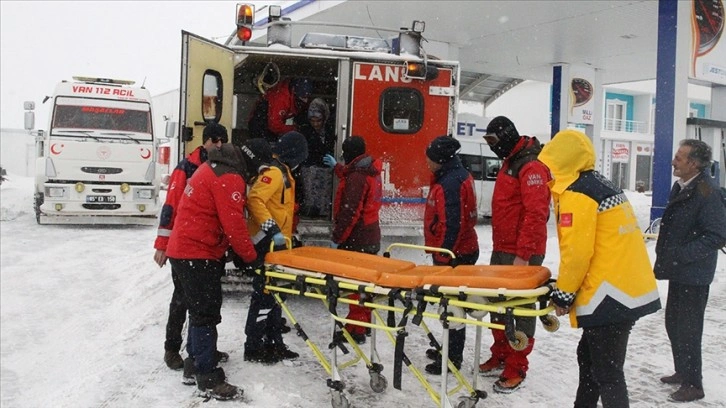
column 692, row 230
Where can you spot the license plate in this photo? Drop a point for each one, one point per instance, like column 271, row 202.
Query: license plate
column 100, row 199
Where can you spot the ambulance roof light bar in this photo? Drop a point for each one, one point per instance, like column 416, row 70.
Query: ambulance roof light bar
column 103, row 80
column 245, row 20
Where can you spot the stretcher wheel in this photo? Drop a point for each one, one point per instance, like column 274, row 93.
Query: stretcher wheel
column 455, row 311
column 477, row 314
column 466, row 404
column 550, row 323
column 379, row 383
column 520, row 341
column 339, row 400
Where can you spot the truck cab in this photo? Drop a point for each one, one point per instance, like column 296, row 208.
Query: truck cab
column 96, row 162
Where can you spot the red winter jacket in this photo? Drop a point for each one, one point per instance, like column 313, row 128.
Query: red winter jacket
column 521, row 204
column 450, row 214
column 357, row 202
column 211, row 216
column 178, row 181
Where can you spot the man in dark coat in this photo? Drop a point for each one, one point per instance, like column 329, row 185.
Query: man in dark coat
column 449, row 223
column 692, row 230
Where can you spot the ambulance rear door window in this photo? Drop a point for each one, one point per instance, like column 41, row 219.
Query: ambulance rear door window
column 401, row 110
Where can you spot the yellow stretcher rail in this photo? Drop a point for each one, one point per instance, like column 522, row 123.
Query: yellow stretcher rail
column 406, row 292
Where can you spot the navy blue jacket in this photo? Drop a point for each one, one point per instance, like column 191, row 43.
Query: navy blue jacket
column 692, row 230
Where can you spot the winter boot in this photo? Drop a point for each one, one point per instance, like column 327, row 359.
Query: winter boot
column 214, row 385
column 281, row 351
column 507, row 385
column 435, row 367
column 173, row 360
column 189, row 371
column 433, row 354
column 262, row 355
column 220, row 357
column 491, row 368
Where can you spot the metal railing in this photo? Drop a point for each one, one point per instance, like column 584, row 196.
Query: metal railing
column 629, row 126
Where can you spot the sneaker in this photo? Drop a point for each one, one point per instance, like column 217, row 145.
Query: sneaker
column 282, row 352
column 214, row 385
column 491, row 368
column 173, row 360
column 672, row 379
column 507, row 385
column 687, row 393
column 432, row 354
column 262, row 355
column 435, row 367
column 221, row 357
column 188, row 377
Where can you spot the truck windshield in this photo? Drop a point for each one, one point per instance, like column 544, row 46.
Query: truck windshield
column 108, row 119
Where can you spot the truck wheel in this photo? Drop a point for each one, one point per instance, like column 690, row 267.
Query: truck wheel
column 39, row 199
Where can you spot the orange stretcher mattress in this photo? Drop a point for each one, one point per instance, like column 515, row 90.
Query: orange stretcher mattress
column 337, row 262
column 396, row 273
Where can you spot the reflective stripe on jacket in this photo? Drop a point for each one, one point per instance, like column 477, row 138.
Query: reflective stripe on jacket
column 603, row 260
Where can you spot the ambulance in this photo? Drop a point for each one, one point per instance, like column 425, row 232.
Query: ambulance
column 386, row 90
column 96, row 163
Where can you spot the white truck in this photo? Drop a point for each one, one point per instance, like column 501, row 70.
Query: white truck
column 478, row 158
column 96, row 163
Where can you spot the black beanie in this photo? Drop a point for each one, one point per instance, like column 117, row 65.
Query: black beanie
column 353, row 147
column 256, row 153
column 504, row 129
column 442, row 149
column 214, row 131
column 292, row 149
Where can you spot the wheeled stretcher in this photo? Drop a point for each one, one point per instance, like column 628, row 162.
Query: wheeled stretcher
column 406, row 291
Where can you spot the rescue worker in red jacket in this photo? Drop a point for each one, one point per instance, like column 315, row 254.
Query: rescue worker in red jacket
column 270, row 208
column 356, row 225
column 449, row 222
column 212, row 138
column 210, row 219
column 520, row 209
column 283, row 108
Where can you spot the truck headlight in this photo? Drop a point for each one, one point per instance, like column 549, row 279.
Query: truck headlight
column 56, row 191
column 144, row 193
column 80, row 187
column 125, row 188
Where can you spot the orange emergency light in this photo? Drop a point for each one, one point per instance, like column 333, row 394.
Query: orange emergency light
column 245, row 19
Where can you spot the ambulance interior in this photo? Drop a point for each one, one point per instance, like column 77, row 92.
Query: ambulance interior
column 258, row 72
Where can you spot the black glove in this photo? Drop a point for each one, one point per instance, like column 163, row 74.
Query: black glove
column 235, row 259
column 255, row 266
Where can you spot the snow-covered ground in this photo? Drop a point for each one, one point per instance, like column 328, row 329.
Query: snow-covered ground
column 83, row 311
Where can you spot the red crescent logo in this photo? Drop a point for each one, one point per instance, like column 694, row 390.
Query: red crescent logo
column 145, row 153
column 53, row 148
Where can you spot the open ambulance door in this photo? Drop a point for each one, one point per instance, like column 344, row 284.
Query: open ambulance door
column 398, row 118
column 207, row 73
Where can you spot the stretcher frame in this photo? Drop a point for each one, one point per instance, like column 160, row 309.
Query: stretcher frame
column 332, row 289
